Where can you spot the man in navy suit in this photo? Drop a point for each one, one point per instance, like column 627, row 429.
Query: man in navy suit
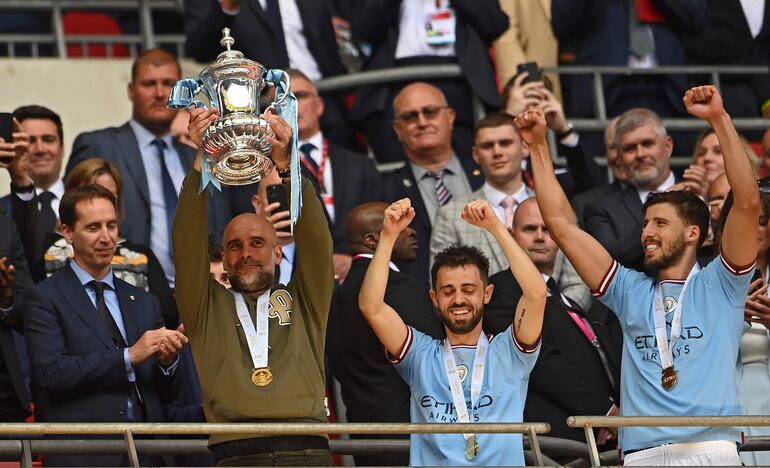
column 150, row 160
column 98, row 347
column 434, row 174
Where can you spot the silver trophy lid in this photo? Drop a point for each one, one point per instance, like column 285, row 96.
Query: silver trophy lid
column 227, row 42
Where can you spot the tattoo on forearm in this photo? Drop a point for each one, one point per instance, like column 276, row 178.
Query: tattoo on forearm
column 521, row 318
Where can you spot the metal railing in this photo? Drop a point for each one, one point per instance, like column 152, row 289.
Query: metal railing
column 27, row 446
column 146, row 39
column 588, row 423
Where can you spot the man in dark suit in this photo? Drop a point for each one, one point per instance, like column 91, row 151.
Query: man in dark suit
column 434, row 174
column 578, row 370
column 645, row 150
column 150, row 160
column 461, row 32
column 581, row 200
column 15, row 280
column 278, row 34
column 36, row 187
column 371, row 388
column 98, row 347
column 639, row 34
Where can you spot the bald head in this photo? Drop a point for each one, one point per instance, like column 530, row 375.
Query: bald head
column 362, row 231
column 524, row 209
column 532, row 235
column 417, row 89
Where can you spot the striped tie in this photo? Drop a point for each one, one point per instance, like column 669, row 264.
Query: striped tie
column 443, row 195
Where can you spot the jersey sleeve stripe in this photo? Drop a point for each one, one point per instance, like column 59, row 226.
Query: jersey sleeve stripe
column 606, row 280
column 404, row 348
column 527, row 349
column 738, row 271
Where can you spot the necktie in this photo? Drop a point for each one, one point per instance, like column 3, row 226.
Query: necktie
column 443, row 195
column 508, row 203
column 120, row 342
column 169, row 191
column 273, row 11
column 640, row 39
column 47, row 216
column 305, row 150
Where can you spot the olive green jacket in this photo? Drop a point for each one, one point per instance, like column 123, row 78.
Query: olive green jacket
column 297, row 330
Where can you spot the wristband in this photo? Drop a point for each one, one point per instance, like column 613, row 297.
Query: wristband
column 565, row 134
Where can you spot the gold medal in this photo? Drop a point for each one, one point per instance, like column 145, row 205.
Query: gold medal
column 668, row 379
column 262, row 377
column 471, row 448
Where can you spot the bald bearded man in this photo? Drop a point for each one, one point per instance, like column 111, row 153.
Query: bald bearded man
column 371, row 388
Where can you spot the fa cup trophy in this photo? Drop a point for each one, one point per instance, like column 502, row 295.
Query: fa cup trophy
column 236, row 145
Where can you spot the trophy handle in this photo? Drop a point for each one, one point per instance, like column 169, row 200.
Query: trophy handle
column 182, row 94
column 280, row 79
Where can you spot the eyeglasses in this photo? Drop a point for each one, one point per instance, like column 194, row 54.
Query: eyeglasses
column 429, row 112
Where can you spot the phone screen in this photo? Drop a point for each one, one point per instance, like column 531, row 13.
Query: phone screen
column 6, row 133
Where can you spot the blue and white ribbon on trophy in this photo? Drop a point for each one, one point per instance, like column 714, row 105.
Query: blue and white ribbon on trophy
column 286, row 107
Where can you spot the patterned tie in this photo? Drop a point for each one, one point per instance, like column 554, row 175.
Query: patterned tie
column 443, row 195
column 170, row 196
column 508, row 203
column 47, row 216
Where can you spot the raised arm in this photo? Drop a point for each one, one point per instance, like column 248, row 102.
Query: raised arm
column 528, row 317
column 385, row 322
column 590, row 259
column 738, row 248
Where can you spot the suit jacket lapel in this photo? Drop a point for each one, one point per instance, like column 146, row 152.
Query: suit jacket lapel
column 630, row 200
column 546, row 7
column 184, row 153
column 128, row 311
column 339, row 186
column 260, row 13
column 132, row 157
column 76, row 296
column 412, row 191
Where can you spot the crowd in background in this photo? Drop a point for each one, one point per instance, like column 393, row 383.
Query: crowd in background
column 445, row 159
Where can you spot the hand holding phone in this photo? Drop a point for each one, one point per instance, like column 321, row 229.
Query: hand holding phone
column 532, row 69
column 276, row 193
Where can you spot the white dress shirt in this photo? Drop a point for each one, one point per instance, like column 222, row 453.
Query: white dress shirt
column 667, row 184
column 412, row 37
column 294, row 37
column 159, row 229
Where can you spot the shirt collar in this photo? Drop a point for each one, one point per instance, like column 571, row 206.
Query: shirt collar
column 145, row 138
column 367, row 255
column 495, row 196
column 667, row 184
column 288, row 252
column 84, row 277
column 57, row 189
column 452, row 167
column 316, row 140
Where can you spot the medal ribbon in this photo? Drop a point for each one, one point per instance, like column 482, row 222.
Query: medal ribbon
column 659, row 317
column 453, row 375
column 256, row 338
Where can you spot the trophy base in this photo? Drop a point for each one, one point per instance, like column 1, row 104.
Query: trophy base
column 241, row 167
column 237, row 147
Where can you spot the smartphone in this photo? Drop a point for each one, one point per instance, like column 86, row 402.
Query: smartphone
column 6, row 133
column 277, row 193
column 532, row 69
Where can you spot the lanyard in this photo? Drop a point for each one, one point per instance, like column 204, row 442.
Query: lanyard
column 318, row 174
column 659, row 317
column 453, row 375
column 256, row 338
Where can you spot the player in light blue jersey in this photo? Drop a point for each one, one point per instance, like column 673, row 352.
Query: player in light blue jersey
column 468, row 377
column 682, row 328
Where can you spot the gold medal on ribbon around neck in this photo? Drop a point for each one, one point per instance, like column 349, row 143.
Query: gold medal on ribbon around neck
column 668, row 379
column 262, row 376
column 471, row 448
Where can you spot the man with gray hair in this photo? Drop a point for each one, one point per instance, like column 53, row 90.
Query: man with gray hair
column 644, row 148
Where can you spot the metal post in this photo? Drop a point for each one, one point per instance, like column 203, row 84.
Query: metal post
column 600, row 107
column 26, row 454
column 133, row 458
column 593, row 452
column 534, row 445
column 58, row 29
column 145, row 25
column 716, row 80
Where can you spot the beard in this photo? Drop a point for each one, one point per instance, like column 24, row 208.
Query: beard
column 670, row 257
column 467, row 324
column 254, row 281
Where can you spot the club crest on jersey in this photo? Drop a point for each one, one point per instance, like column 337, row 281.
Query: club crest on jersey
column 462, row 369
column 280, row 306
column 669, row 304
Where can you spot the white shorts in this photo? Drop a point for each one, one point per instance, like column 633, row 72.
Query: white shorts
column 713, row 453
